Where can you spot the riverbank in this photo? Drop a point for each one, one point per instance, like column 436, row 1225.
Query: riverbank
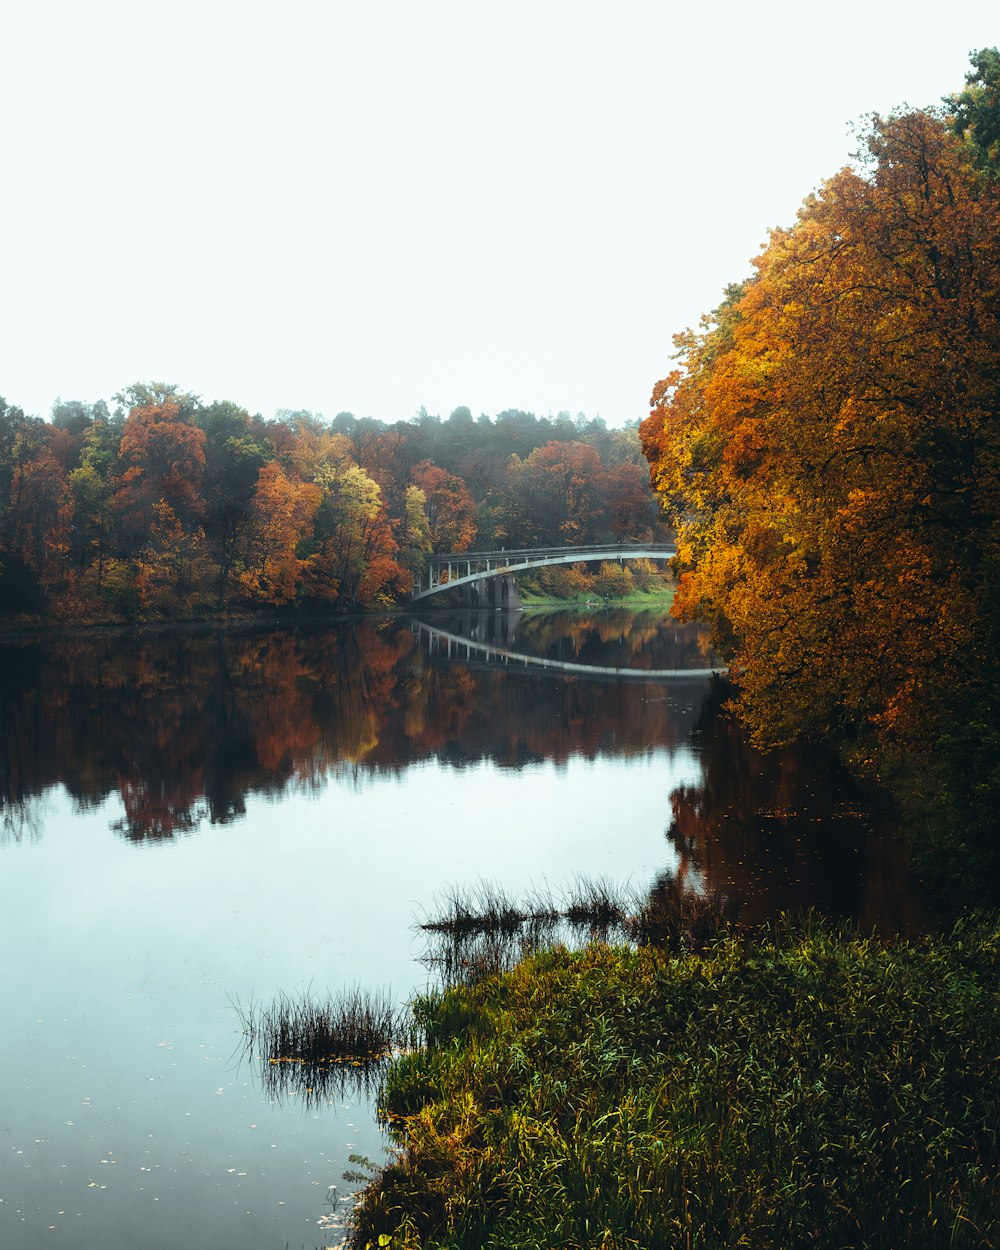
column 638, row 599
column 22, row 626
column 804, row 1087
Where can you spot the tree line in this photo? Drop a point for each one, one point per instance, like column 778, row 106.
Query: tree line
column 166, row 505
column 828, row 449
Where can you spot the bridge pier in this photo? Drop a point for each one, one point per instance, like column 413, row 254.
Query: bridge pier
column 491, row 594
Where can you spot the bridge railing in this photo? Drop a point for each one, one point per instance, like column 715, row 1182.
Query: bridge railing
column 512, row 555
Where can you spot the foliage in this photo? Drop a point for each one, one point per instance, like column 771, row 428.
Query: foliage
column 449, row 507
column 173, row 507
column 828, row 450
column 807, row 1087
column 976, row 111
column 281, row 513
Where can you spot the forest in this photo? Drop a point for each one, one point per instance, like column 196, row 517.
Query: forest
column 165, row 506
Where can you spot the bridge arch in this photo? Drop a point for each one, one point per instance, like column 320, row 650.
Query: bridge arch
column 446, row 572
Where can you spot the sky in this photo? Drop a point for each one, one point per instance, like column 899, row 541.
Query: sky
column 374, row 207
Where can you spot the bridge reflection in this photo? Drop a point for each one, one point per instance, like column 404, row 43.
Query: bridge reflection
column 491, row 640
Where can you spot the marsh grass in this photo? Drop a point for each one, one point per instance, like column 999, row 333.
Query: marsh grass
column 316, row 1049
column 482, row 930
column 801, row 1086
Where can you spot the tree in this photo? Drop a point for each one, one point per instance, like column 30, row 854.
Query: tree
column 281, row 516
column 559, row 490
column 351, row 533
column 161, row 459
column 976, row 111
column 92, row 485
column 42, row 510
column 828, row 447
column 233, row 459
column 450, row 509
column 417, row 543
column 629, row 507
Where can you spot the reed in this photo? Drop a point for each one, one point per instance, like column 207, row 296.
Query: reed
column 317, row 1049
column 601, row 907
column 481, row 930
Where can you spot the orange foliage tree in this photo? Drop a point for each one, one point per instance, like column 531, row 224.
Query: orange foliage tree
column 281, row 516
column 41, row 514
column 160, row 459
column 449, row 507
column 828, row 450
column 559, row 491
column 353, row 548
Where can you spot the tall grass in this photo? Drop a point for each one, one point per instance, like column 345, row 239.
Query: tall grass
column 802, row 1086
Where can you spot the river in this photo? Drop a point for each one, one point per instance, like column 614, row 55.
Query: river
column 195, row 820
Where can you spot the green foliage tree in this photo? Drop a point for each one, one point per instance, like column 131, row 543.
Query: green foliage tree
column 976, row 111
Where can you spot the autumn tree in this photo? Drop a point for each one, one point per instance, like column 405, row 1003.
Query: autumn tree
column 352, row 554
column 234, row 454
column 416, row 544
column 630, row 511
column 559, row 491
column 93, row 486
column 450, row 508
column 281, row 516
column 827, row 447
column 41, row 512
column 160, row 459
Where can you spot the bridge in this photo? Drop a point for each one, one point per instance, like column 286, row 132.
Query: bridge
column 496, row 569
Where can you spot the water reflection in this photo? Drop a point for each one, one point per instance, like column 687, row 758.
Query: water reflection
column 320, row 1050
column 481, row 930
column 779, row 830
column 477, row 652
column 183, row 727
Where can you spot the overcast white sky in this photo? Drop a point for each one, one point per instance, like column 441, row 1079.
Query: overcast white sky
column 374, row 206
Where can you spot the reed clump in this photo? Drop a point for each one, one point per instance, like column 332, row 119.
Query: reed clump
column 481, row 930
column 801, row 1086
column 318, row 1048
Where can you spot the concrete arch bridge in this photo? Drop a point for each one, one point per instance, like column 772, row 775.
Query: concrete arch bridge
column 488, row 576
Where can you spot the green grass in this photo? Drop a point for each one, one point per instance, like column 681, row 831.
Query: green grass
column 804, row 1087
column 638, row 599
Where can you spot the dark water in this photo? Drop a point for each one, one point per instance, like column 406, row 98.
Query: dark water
column 190, row 818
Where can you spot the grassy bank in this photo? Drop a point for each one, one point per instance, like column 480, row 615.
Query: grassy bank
column 800, row 1088
column 659, row 598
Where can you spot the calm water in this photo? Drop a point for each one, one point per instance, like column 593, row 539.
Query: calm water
column 192, row 819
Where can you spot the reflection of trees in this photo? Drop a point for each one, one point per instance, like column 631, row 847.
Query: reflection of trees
column 617, row 637
column 767, row 829
column 182, row 726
